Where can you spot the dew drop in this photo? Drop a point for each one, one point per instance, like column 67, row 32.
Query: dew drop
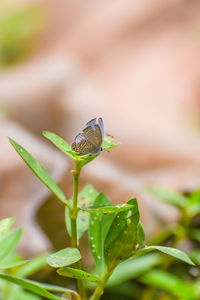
column 129, row 214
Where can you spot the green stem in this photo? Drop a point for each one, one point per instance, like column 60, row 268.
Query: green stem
column 73, row 217
column 100, row 289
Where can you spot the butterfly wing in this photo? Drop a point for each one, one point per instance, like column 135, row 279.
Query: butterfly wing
column 93, row 122
column 93, row 135
column 90, row 140
column 100, row 121
column 82, row 145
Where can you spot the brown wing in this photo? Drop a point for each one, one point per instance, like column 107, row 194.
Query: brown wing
column 94, row 136
column 83, row 146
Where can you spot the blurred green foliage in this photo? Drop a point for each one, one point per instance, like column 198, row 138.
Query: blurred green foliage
column 19, row 24
column 13, row 264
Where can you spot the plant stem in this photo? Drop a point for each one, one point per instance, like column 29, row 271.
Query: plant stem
column 100, row 289
column 73, row 217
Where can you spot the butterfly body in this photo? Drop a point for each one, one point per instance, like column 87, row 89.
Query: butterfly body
column 90, row 139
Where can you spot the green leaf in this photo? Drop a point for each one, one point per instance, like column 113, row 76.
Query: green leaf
column 107, row 209
column 133, row 268
column 5, row 225
column 169, row 251
column 169, row 283
column 123, row 231
column 98, row 229
column 20, row 294
column 7, row 265
column 195, row 255
column 78, row 274
column 32, row 286
column 109, row 144
column 12, row 257
column 85, row 198
column 140, row 235
column 195, row 194
column 33, row 266
column 39, row 171
column 193, row 206
column 55, row 288
column 64, row 257
column 9, row 242
column 61, row 144
column 168, row 196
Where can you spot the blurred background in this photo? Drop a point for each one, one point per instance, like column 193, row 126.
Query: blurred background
column 134, row 63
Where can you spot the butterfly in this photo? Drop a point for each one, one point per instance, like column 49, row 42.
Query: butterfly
column 90, row 139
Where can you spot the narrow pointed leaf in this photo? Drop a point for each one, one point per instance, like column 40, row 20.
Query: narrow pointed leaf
column 78, row 274
column 85, row 198
column 169, row 251
column 107, row 209
column 98, row 228
column 133, row 268
column 106, row 145
column 32, row 286
column 9, row 242
column 193, row 207
column 39, row 171
column 21, row 294
column 195, row 255
column 61, row 144
column 169, row 283
column 64, row 257
column 109, row 144
column 7, row 265
column 168, row 196
column 33, row 266
column 61, row 289
column 5, row 225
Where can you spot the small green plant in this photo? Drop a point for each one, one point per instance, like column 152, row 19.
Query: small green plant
column 115, row 233
column 13, row 263
column 176, row 279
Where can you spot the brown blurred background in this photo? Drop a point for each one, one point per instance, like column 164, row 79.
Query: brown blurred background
column 134, row 63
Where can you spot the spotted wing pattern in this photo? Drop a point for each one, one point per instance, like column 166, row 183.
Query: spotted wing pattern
column 90, row 140
column 82, row 146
